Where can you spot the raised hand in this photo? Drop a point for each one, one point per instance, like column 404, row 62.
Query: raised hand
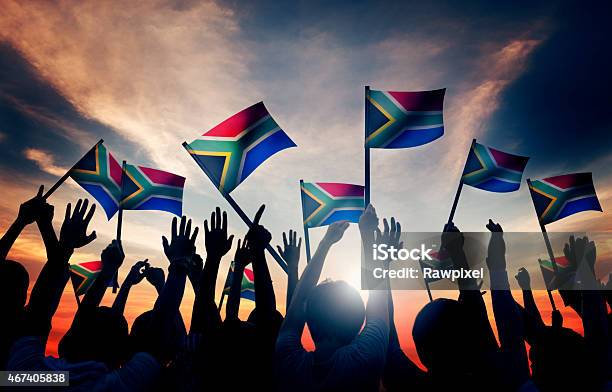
column 243, row 256
column 137, row 273
column 368, row 223
column 390, row 234
column 258, row 236
column 335, row 231
column 156, row 277
column 181, row 247
column 497, row 247
column 523, row 279
column 452, row 239
column 579, row 250
column 216, row 240
column 73, row 233
column 34, row 209
column 291, row 249
column 112, row 256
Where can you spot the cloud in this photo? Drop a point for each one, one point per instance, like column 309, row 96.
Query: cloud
column 45, row 161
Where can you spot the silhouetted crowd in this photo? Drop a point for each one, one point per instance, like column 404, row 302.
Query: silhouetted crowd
column 356, row 347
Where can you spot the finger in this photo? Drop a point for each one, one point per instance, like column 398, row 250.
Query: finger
column 77, row 208
column 212, row 220
column 165, row 244
column 398, row 228
column 182, row 226
column 188, row 228
column 84, row 207
column 230, row 240
column 40, row 191
column 259, row 214
column 68, row 211
column 91, row 237
column 195, row 234
column 206, row 230
column 285, row 243
column 90, row 214
column 294, row 240
column 393, row 224
column 385, row 225
column 238, row 244
column 300, row 243
column 280, row 251
column 218, row 214
column 174, row 230
column 224, row 223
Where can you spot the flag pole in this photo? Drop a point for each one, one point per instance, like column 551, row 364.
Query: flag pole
column 78, row 300
column 237, row 209
column 550, row 297
column 119, row 221
column 306, row 234
column 366, row 148
column 549, row 249
column 63, row 178
column 460, row 186
column 426, row 283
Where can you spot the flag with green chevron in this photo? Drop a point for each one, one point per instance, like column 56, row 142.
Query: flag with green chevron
column 232, row 150
column 151, row 189
column 324, row 203
column 247, row 290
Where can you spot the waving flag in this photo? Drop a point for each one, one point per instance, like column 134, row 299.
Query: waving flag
column 558, row 197
column 403, row 119
column 99, row 174
column 564, row 270
column 324, row 203
column 152, row 189
column 248, row 283
column 83, row 275
column 493, row 170
column 232, row 150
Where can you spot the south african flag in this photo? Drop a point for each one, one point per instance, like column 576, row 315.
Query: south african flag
column 83, row 275
column 324, row 203
column 152, row 189
column 248, row 283
column 555, row 280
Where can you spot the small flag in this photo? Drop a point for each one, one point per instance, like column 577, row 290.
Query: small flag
column 232, row 150
column 564, row 269
column 324, row 203
column 493, row 170
column 440, row 262
column 248, row 283
column 152, row 189
column 397, row 119
column 558, row 197
column 83, row 275
column 99, row 174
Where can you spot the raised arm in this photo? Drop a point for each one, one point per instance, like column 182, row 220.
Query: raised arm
column 47, row 290
column 135, row 276
column 295, row 318
column 156, row 277
column 28, row 212
column 469, row 292
column 290, row 252
column 507, row 315
column 205, row 313
column 242, row 258
column 524, row 281
column 265, row 300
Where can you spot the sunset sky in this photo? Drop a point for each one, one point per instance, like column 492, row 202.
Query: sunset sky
column 533, row 79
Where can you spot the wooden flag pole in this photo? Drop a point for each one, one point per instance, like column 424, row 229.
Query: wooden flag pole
column 237, row 208
column 550, row 297
column 306, row 234
column 366, row 148
column 67, row 174
column 119, row 221
column 549, row 249
column 460, row 186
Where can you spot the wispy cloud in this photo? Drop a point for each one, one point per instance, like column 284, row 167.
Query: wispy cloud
column 45, row 161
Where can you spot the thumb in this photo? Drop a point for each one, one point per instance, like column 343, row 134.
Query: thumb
column 91, row 237
column 165, row 244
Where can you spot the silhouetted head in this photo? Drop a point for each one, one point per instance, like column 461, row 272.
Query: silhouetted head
column 559, row 359
column 277, row 318
column 446, row 337
column 14, row 280
column 144, row 336
column 99, row 334
column 334, row 313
